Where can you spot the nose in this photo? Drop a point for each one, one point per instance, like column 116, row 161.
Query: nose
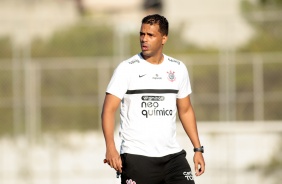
column 143, row 38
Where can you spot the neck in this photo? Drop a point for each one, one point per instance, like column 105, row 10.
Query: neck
column 154, row 60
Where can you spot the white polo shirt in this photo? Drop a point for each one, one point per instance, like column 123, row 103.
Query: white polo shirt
column 148, row 110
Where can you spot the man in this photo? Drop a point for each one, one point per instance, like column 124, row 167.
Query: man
column 151, row 88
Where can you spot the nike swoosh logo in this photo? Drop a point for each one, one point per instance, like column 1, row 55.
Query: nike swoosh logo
column 142, row 75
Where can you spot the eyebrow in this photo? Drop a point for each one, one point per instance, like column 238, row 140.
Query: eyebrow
column 151, row 34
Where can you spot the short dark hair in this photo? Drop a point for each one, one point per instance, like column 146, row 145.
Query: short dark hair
column 157, row 19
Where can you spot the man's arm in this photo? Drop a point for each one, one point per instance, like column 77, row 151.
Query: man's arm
column 110, row 107
column 188, row 120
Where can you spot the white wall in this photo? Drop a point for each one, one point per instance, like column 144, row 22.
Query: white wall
column 75, row 158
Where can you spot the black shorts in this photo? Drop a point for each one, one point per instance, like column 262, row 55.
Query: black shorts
column 170, row 169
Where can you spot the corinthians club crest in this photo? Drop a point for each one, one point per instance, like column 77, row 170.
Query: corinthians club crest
column 171, row 76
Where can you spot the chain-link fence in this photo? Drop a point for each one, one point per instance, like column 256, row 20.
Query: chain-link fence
column 66, row 94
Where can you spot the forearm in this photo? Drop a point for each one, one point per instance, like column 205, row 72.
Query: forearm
column 108, row 126
column 189, row 124
column 112, row 155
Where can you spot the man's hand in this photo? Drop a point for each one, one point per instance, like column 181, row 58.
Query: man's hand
column 113, row 160
column 199, row 163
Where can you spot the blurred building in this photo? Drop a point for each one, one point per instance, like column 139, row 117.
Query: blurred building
column 30, row 19
column 204, row 23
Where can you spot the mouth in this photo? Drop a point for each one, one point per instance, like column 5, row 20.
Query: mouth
column 144, row 47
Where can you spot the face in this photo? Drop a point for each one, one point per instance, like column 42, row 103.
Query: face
column 151, row 40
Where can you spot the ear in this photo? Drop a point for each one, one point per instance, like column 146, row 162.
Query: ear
column 165, row 38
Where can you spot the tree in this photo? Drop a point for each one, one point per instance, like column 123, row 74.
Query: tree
column 266, row 17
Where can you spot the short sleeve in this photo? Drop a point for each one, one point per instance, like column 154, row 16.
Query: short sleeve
column 184, row 85
column 119, row 82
